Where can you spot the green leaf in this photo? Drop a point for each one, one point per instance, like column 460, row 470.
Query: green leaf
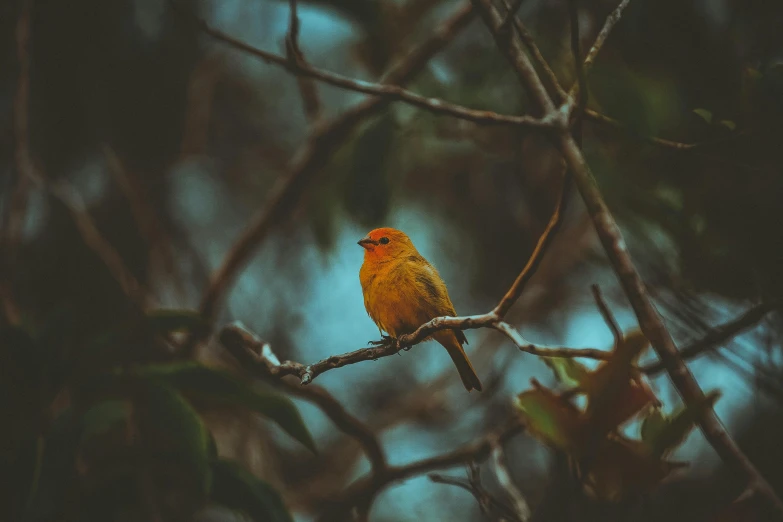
column 552, row 418
column 219, row 386
column 679, row 425
column 104, row 415
column 174, row 320
column 171, row 426
column 728, row 124
column 238, row 489
column 653, row 424
column 568, row 371
column 704, row 114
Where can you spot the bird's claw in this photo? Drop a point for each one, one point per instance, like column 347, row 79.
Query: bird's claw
column 385, row 341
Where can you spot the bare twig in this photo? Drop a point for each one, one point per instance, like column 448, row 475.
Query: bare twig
column 511, row 13
column 580, row 88
column 307, row 88
column 719, row 335
column 534, row 261
column 236, row 337
column 576, row 52
column 346, row 422
column 93, row 238
column 325, row 138
column 144, row 214
column 27, row 171
column 559, row 95
column 464, row 484
column 653, row 328
column 611, row 122
column 521, row 509
column 609, row 319
column 390, row 91
column 312, row 482
column 545, row 351
column 549, row 77
column 292, row 38
column 257, row 357
column 606, row 30
column 515, row 54
column 611, row 21
column 236, row 334
column 491, row 508
column 364, row 490
column 612, row 240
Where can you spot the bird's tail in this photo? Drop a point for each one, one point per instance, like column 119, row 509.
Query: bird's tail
column 460, row 359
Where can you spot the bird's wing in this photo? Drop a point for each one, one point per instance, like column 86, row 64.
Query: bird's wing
column 435, row 301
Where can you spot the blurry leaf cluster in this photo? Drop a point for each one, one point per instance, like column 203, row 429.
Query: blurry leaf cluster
column 612, row 466
column 89, row 443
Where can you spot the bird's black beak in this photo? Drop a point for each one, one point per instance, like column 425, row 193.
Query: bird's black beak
column 366, row 242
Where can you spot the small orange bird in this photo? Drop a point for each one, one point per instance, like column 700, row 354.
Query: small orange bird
column 402, row 291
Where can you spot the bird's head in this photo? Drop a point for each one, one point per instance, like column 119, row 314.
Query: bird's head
column 386, row 243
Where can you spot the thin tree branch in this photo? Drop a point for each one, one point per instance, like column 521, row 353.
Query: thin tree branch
column 235, row 337
column 598, row 44
column 518, row 502
column 606, row 30
column 307, row 88
column 611, row 122
column 363, row 491
column 144, row 214
column 609, row 319
column 551, row 82
column 511, row 13
column 257, row 357
column 390, row 91
column 719, row 335
column 93, row 238
column 612, row 240
column 545, row 351
column 580, row 88
column 512, row 49
column 236, row 334
column 490, row 507
column 28, row 172
column 654, row 329
column 534, row 261
column 581, row 78
column 460, row 483
column 325, row 138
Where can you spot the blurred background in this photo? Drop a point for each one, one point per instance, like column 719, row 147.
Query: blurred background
column 151, row 147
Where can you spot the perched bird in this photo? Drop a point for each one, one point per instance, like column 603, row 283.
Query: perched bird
column 402, row 291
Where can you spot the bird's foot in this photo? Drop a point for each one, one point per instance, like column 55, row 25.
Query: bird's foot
column 385, row 341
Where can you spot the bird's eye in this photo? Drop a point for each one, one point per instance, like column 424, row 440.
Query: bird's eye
column 383, row 240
